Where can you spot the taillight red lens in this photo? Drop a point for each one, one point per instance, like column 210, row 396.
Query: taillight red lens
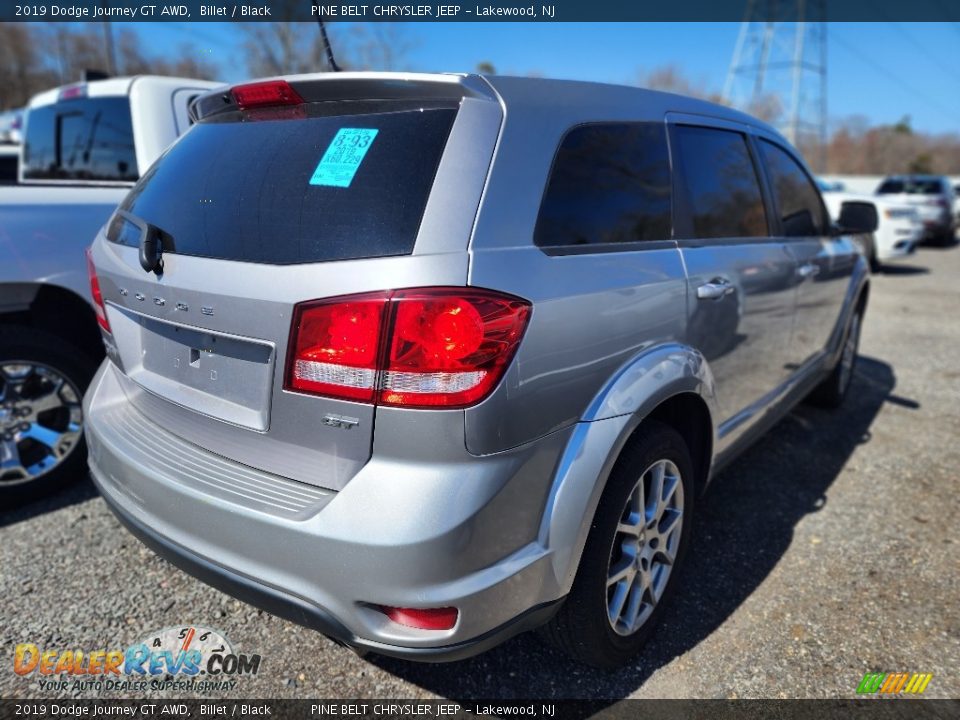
column 335, row 346
column 98, row 307
column 265, row 94
column 449, row 347
column 72, row 92
column 425, row 348
column 423, row 618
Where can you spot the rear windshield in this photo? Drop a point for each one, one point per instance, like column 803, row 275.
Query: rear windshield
column 910, row 187
column 83, row 139
column 305, row 189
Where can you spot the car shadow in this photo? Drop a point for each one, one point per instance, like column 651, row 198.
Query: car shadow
column 934, row 245
column 744, row 525
column 904, row 270
column 80, row 491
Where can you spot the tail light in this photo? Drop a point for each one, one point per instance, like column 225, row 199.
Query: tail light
column 423, row 348
column 72, row 92
column 99, row 308
column 271, row 93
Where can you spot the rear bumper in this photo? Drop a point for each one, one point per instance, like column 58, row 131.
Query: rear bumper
column 429, row 535
column 313, row 616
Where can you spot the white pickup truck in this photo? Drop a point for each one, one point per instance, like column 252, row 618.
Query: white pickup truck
column 84, row 146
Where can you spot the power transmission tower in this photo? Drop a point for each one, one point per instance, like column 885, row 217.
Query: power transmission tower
column 779, row 71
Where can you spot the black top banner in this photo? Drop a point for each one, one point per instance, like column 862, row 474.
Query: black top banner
column 496, row 11
column 404, row 709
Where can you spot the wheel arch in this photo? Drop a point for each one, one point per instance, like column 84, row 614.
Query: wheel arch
column 54, row 309
column 671, row 384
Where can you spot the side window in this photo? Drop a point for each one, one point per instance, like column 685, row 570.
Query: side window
column 798, row 201
column 610, row 183
column 721, row 183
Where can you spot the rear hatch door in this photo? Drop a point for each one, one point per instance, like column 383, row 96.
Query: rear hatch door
column 256, row 211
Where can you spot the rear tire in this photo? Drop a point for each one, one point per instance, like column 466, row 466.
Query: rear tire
column 42, row 381
column 626, row 575
column 831, row 392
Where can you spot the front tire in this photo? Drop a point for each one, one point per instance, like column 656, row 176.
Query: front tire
column 636, row 545
column 42, row 380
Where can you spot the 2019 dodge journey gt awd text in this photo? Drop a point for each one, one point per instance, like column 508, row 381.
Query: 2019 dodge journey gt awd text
column 424, row 361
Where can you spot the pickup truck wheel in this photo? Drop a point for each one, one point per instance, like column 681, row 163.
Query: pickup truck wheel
column 831, row 392
column 42, row 380
column 636, row 544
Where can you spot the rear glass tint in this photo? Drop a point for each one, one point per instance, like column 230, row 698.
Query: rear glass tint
column 284, row 191
column 910, row 187
column 610, row 184
column 85, row 139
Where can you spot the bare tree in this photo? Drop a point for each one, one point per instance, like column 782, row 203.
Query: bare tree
column 285, row 47
column 34, row 59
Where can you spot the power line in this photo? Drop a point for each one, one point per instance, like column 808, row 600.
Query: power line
column 925, row 50
column 947, row 112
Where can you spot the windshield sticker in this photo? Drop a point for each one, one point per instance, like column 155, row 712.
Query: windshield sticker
column 343, row 157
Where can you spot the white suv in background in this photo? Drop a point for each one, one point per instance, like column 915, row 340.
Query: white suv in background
column 933, row 197
column 899, row 227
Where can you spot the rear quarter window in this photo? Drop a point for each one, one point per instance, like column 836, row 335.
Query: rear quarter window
column 610, row 184
column 251, row 190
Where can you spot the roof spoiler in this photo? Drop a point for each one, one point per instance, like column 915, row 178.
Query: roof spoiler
column 360, row 86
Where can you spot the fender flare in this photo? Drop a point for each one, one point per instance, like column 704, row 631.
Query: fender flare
column 631, row 394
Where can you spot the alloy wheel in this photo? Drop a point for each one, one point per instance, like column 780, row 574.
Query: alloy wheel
column 644, row 547
column 41, row 420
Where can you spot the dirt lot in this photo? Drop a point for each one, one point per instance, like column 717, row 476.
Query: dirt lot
column 828, row 550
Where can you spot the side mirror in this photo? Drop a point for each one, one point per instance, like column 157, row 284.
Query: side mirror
column 857, row 218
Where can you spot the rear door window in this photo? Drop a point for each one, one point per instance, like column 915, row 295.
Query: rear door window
column 798, row 201
column 720, row 180
column 308, row 188
column 610, row 184
column 83, row 139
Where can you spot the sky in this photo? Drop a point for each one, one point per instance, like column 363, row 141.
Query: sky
column 883, row 71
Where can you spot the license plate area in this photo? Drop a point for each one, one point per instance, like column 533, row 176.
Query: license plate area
column 223, row 376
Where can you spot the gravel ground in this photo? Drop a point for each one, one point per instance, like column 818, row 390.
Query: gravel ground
column 826, row 551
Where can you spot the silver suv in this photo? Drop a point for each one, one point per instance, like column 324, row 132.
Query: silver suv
column 425, row 361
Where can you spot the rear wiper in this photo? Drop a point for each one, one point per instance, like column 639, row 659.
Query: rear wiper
column 153, row 241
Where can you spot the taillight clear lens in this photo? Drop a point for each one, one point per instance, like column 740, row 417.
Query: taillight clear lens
column 336, row 347
column 98, row 307
column 443, row 347
column 449, row 347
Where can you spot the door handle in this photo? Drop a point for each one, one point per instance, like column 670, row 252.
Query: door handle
column 715, row 289
column 808, row 271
